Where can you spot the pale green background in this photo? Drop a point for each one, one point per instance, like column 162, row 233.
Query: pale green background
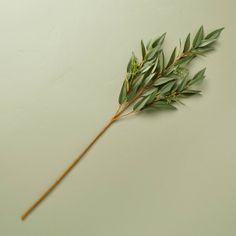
column 61, row 67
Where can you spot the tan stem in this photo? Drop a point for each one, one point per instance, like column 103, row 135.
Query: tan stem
column 69, row 168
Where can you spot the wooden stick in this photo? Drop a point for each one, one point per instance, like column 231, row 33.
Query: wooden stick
column 69, row 168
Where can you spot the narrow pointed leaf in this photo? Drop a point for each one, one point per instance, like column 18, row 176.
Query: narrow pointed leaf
column 143, row 49
column 163, row 105
column 161, row 64
column 198, row 37
column 149, row 91
column 187, row 44
column 159, row 41
column 123, row 92
column 149, row 78
column 214, row 34
column 190, row 92
column 197, row 77
column 172, row 58
column 183, row 84
column 163, row 80
column 167, row 88
column 139, row 105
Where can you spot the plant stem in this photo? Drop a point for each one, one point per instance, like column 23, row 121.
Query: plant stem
column 72, row 165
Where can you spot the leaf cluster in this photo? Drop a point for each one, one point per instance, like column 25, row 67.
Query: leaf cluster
column 155, row 82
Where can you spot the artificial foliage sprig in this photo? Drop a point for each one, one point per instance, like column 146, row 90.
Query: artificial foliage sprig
column 154, row 82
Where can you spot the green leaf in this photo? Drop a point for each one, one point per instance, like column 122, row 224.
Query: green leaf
column 149, row 91
column 133, row 91
column 185, row 60
column 167, row 87
column 187, row 43
column 132, row 64
column 214, row 34
column 139, row 105
column 161, row 64
column 155, row 65
column 198, row 37
column 207, row 42
column 172, row 58
column 152, row 54
column 183, row 84
column 149, row 78
column 199, row 76
column 202, row 50
column 147, row 66
column 159, row 41
column 163, row 105
column 123, row 92
column 190, row 92
column 163, row 80
column 143, row 49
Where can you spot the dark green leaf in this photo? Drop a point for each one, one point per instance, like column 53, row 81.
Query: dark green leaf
column 199, row 76
column 143, row 49
column 149, row 78
column 123, row 92
column 159, row 41
column 133, row 91
column 152, row 54
column 139, row 105
column 207, row 42
column 163, row 80
column 187, row 43
column 183, row 84
column 202, row 50
column 147, row 66
column 190, row 92
column 155, row 65
column 172, row 58
column 214, row 34
column 167, row 87
column 161, row 64
column 149, row 91
column 132, row 64
column 185, row 60
column 163, row 105
column 198, row 37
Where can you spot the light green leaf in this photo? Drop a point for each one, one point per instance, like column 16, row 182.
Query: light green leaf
column 163, row 80
column 198, row 37
column 199, row 76
column 187, row 43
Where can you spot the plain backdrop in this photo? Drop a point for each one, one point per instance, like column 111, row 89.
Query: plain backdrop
column 61, row 68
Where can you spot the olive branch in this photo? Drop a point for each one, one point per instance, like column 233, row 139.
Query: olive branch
column 153, row 83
